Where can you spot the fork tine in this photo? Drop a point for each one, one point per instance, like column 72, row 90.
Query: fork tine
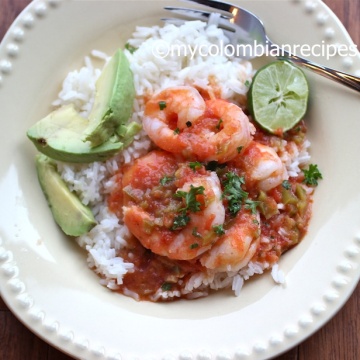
column 190, row 14
column 228, row 32
column 218, row 5
column 194, row 14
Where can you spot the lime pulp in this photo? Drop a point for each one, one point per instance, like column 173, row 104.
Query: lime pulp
column 278, row 96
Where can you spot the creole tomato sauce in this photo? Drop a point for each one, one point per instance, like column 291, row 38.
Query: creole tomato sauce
column 283, row 231
column 285, row 212
column 153, row 272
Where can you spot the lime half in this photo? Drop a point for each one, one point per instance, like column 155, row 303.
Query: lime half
column 278, row 96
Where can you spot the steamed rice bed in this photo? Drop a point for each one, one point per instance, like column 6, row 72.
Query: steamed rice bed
column 94, row 182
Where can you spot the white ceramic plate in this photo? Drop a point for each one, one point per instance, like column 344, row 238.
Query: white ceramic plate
column 43, row 275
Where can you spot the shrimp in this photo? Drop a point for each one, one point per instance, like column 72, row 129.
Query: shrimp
column 178, row 120
column 263, row 168
column 233, row 250
column 171, row 208
column 168, row 113
column 222, row 132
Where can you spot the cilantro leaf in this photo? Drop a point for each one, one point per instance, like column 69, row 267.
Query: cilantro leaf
column 166, row 179
column 190, row 198
column 219, row 229
column 196, row 233
column 180, row 222
column 251, row 205
column 162, row 105
column 233, row 192
column 218, row 125
column 195, row 165
column 166, row 286
column 191, row 205
column 312, row 175
column 286, row 184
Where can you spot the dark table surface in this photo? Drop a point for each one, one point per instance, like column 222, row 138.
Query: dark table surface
column 339, row 339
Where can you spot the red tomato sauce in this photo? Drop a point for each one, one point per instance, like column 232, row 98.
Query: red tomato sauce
column 284, row 215
column 153, row 272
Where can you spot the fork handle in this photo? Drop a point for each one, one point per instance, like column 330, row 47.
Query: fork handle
column 348, row 80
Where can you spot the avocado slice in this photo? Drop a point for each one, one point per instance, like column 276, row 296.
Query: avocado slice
column 127, row 132
column 114, row 97
column 70, row 214
column 59, row 136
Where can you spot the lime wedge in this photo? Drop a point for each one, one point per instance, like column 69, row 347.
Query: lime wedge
column 278, row 96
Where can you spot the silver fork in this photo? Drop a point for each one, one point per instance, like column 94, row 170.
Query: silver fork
column 245, row 29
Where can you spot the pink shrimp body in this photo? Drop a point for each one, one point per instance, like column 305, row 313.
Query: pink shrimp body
column 221, row 132
column 151, row 210
column 168, row 113
column 178, row 120
column 233, row 250
column 262, row 166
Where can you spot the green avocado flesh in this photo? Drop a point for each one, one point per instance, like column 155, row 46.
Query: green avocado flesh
column 59, row 136
column 113, row 104
column 66, row 136
column 70, row 214
column 127, row 132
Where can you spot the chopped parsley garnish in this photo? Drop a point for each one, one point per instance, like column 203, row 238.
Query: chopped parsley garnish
column 177, row 131
column 219, row 229
column 191, row 205
column 247, row 83
column 195, row 165
column 312, row 175
column 251, row 205
column 166, row 286
column 286, row 184
column 165, row 180
column 188, row 123
column 190, row 198
column 219, row 124
column 130, row 48
column 239, row 148
column 194, row 246
column 196, row 233
column 162, row 105
column 180, row 222
column 236, row 196
column 233, row 192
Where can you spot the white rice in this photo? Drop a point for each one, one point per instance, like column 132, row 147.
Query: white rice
column 153, row 73
column 92, row 182
column 277, row 274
